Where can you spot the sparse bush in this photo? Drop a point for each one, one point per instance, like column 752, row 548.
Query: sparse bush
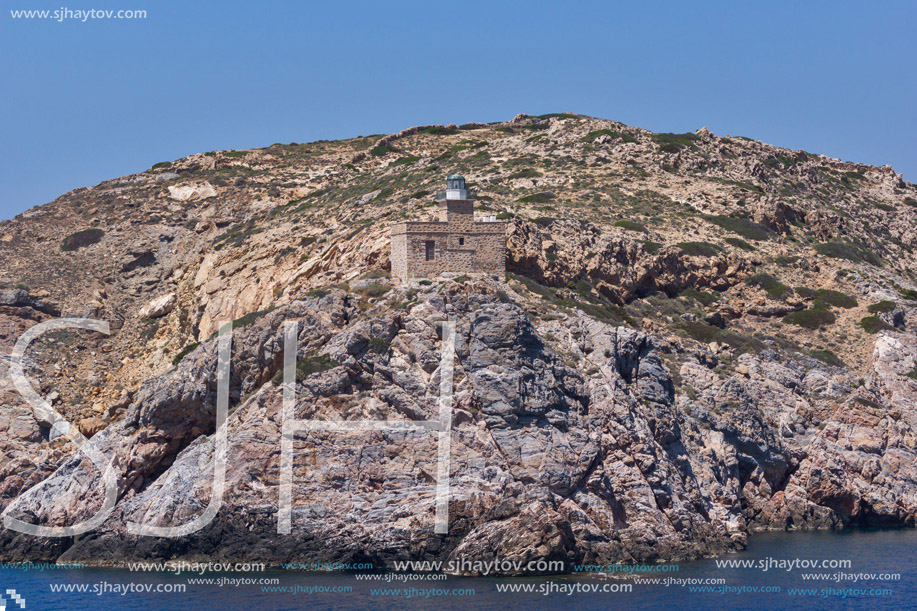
column 672, row 143
column 250, row 318
column 385, row 149
column 378, row 345
column 650, row 247
column 828, row 357
column 841, row 250
column 827, row 297
column 770, row 285
column 80, row 239
column 538, row 198
column 699, row 249
column 706, row 334
column 702, row 297
column 373, row 290
column 407, row 160
column 441, row 130
column 630, row 225
column 308, row 366
column 874, row 324
column 746, row 228
column 740, row 243
column 526, row 173
column 814, row 318
column 882, row 307
column 608, row 132
column 543, row 221
column 185, row 352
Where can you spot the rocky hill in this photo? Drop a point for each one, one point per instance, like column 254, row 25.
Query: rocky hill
column 698, row 336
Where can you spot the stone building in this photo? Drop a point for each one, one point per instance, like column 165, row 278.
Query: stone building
column 457, row 243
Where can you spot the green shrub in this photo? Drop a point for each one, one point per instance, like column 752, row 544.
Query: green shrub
column 608, row 132
column 538, row 198
column 827, row 297
column 699, row 249
column 874, row 324
column 770, row 285
column 526, row 173
column 308, row 366
column 740, row 243
column 910, row 201
column 557, row 115
column 543, row 221
column 237, row 235
column 882, row 307
column 869, row 403
column 631, row 225
column 912, row 374
column 407, row 160
column 650, row 247
column 373, row 290
column 702, row 297
column 841, row 250
column 705, row 334
column 746, row 228
column 786, row 260
column 375, row 273
column 162, row 165
column 440, row 130
column 814, row 318
column 377, row 345
column 828, row 357
column 250, row 318
column 805, row 292
column 672, row 143
column 78, row 240
column 379, row 151
column 185, row 352
column 505, row 215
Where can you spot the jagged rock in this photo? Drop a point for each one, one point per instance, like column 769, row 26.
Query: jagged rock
column 19, row 298
column 184, row 193
column 158, row 307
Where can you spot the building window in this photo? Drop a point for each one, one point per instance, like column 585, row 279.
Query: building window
column 431, row 250
column 461, row 241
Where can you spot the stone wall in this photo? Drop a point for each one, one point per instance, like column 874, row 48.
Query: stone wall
column 461, row 245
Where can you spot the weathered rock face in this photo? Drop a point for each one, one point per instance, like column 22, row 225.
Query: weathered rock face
column 570, row 441
column 618, row 266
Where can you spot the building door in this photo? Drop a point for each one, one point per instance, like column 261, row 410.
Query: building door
column 431, row 250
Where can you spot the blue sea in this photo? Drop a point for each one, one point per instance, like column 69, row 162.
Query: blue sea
column 863, row 569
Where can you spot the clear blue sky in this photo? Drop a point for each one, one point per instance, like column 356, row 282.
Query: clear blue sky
column 84, row 102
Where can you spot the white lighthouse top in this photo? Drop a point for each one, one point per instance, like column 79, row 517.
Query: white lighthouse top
column 455, row 187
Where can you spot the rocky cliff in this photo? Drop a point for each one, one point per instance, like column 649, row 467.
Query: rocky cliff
column 699, row 337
